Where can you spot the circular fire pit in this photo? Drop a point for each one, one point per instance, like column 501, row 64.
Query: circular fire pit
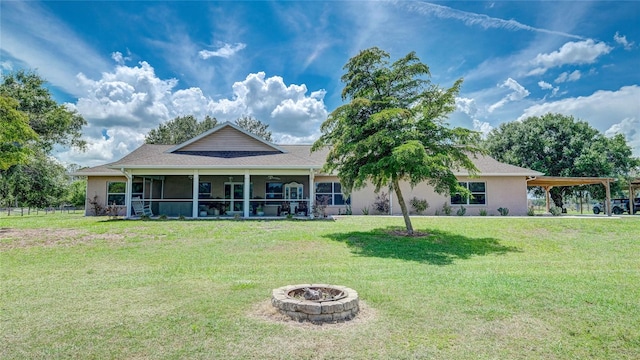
column 318, row 303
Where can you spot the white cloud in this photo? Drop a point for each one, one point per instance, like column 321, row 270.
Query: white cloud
column 287, row 109
column 567, row 76
column 226, row 51
column 131, row 100
column 518, row 92
column 575, row 52
column 131, row 96
column 630, row 128
column 467, row 106
column 602, row 109
column 482, row 126
column 119, row 58
column 545, row 85
column 473, row 19
column 6, row 65
column 622, row 40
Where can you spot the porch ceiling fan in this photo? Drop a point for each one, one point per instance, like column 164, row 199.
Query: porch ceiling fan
column 271, row 177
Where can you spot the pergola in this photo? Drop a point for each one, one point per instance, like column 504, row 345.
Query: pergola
column 548, row 182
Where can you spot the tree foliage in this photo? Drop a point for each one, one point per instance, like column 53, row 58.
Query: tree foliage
column 40, row 182
column 52, row 122
column 15, row 134
column 183, row 128
column 179, row 130
column 394, row 128
column 255, row 127
column 559, row 145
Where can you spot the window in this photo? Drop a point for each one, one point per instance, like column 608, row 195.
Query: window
column 273, row 190
column 204, row 190
column 331, row 192
column 478, row 194
column 116, row 192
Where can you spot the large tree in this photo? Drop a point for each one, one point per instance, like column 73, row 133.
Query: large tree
column 15, row 134
column 179, row 130
column 394, row 128
column 40, row 182
column 52, row 122
column 183, row 128
column 559, row 145
column 255, row 127
column 32, row 122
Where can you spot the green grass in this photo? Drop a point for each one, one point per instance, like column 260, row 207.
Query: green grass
column 475, row 288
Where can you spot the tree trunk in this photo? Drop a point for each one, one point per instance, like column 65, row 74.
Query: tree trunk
column 403, row 207
column 556, row 196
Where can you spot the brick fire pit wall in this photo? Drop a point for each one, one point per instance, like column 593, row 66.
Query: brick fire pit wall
column 316, row 311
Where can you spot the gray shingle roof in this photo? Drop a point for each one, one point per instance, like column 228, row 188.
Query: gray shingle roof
column 295, row 157
column 247, row 156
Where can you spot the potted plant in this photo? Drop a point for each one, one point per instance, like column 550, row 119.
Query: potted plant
column 260, row 210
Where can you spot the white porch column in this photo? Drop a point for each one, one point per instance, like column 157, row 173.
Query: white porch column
column 128, row 193
column 196, row 191
column 247, row 194
column 312, row 192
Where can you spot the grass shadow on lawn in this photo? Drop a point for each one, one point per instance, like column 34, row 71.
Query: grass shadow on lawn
column 435, row 247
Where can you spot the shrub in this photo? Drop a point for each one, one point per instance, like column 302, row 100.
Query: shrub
column 555, row 211
column 446, row 209
column 112, row 211
column 382, row 204
column 503, row 211
column 419, row 205
column 319, row 207
column 531, row 211
column 482, row 212
column 461, row 211
column 96, row 208
column 365, row 210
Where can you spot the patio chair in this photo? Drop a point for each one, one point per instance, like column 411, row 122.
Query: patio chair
column 139, row 207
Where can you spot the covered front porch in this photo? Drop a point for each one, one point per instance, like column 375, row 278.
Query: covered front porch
column 216, row 193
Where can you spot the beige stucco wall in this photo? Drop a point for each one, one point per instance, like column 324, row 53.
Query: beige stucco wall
column 509, row 192
column 97, row 186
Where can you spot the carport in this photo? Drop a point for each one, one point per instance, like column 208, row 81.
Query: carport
column 548, row 182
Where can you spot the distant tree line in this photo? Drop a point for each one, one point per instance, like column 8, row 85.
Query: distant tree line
column 559, row 145
column 183, row 128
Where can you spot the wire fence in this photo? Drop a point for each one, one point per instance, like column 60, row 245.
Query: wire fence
column 23, row 211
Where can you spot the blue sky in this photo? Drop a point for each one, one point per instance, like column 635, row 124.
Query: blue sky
column 128, row 66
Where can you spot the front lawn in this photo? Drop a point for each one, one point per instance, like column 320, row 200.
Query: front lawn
column 473, row 288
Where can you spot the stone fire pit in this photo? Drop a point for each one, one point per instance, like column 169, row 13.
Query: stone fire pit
column 317, row 303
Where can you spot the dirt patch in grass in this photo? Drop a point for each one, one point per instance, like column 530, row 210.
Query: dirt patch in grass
column 26, row 238
column 266, row 312
column 523, row 334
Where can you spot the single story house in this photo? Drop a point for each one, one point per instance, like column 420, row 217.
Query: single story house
column 228, row 171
